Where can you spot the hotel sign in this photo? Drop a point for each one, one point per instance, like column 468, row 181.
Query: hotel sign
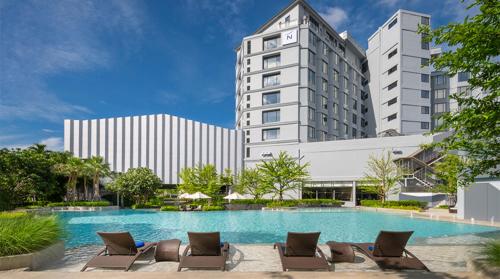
column 289, row 37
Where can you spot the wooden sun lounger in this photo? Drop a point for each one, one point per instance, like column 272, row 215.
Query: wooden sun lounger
column 301, row 252
column 206, row 252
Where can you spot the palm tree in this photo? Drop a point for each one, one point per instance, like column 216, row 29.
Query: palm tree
column 72, row 169
column 98, row 168
column 86, row 173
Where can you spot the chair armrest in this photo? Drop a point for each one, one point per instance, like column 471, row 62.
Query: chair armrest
column 225, row 248
column 103, row 250
column 320, row 252
column 186, row 250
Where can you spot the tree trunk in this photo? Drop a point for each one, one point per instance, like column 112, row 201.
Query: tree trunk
column 85, row 190
column 97, row 195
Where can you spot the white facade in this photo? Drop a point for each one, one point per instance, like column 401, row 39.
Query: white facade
column 399, row 80
column 480, row 201
column 166, row 144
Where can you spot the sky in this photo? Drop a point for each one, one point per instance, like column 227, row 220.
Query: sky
column 76, row 59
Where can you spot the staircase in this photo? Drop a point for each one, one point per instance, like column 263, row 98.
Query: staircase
column 419, row 175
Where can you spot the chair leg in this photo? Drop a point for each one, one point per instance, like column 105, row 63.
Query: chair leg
column 83, row 269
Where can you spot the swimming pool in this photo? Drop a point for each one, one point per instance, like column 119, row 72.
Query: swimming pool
column 253, row 226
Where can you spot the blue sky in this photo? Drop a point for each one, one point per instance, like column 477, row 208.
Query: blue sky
column 94, row 59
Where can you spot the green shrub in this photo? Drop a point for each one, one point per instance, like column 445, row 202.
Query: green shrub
column 251, row 201
column 492, row 251
column 22, row 233
column 304, row 202
column 169, row 208
column 79, row 203
column 444, row 206
column 149, row 204
column 212, row 208
column 284, row 203
column 409, row 204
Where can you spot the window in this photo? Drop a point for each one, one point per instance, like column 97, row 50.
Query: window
column 324, row 85
column 392, row 53
column 335, row 75
column 272, row 61
column 324, row 102
column 249, row 47
column 439, row 80
column 248, row 115
column 248, row 69
column 248, row 152
column 354, row 104
column 270, row 134
column 270, row 98
column 392, row 70
column 424, row 125
column 354, row 89
column 424, row 78
column 346, row 99
column 346, row 68
column 392, row 101
column 248, row 105
column 354, row 119
column 354, row 132
column 424, row 94
column 311, row 77
column 248, row 79
column 248, row 122
column 270, row 116
column 336, row 58
column 273, row 42
column 248, row 61
column 335, row 108
column 325, row 68
column 392, row 85
column 314, row 24
column 248, row 87
column 324, row 119
column 310, row 96
column 346, row 129
column 440, row 94
column 425, row 44
column 335, row 124
column 271, row 80
column 346, row 117
column 310, row 132
column 424, row 110
column 335, row 93
column 424, row 62
column 463, row 90
column 424, row 20
column 311, row 114
column 463, row 76
column 325, row 49
column 392, row 117
column 321, row 135
column 440, row 107
column 346, row 88
column 392, row 23
column 313, row 39
column 312, row 58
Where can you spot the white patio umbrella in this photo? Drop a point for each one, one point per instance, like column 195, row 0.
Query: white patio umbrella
column 234, row 196
column 184, row 196
column 198, row 196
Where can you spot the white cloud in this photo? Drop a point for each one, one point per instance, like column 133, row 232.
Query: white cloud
column 53, row 143
column 388, row 3
column 457, row 10
column 42, row 39
column 50, row 131
column 335, row 16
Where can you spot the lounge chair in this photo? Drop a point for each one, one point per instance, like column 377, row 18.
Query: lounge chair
column 207, row 252
column 389, row 251
column 120, row 251
column 301, row 252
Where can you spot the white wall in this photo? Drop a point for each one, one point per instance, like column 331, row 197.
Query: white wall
column 480, row 201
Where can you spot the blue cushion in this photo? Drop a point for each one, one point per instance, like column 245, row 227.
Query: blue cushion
column 371, row 248
column 139, row 244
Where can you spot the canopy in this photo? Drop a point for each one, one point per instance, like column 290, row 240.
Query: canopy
column 234, row 196
column 184, row 196
column 198, row 195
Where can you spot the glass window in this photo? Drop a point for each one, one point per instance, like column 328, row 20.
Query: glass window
column 335, row 108
column 354, row 104
column 324, row 119
column 346, row 129
column 335, row 93
column 392, row 117
column 439, row 107
column 311, row 96
column 325, row 49
column 392, row 85
column 424, row 20
column 354, row 132
column 312, row 58
column 313, row 39
column 335, row 75
column 463, row 76
column 392, row 101
column 272, row 61
column 321, row 135
column 463, row 89
column 273, row 42
column 392, row 53
column 439, row 93
column 324, row 85
column 325, row 67
column 392, row 23
column 335, row 124
column 324, row 102
column 271, row 134
column 392, row 70
column 424, row 94
column 424, row 62
column 270, row 98
column 424, row 125
column 424, row 110
column 354, row 119
column 249, row 47
column 311, row 77
column 346, row 88
column 311, row 114
column 270, row 116
column 310, row 132
column 424, row 77
column 271, row 80
column 346, row 115
column 346, row 99
column 439, row 80
column 336, row 58
column 346, row 68
column 425, row 44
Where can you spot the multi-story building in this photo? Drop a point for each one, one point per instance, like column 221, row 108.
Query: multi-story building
column 298, row 81
column 399, row 76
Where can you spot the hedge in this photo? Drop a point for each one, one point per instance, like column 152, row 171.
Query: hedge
column 169, row 208
column 212, row 208
column 409, row 204
column 79, row 203
column 304, row 202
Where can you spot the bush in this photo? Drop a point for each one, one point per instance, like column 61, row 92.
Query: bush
column 444, row 206
column 251, row 201
column 492, row 251
column 22, row 233
column 304, row 202
column 409, row 204
column 169, row 208
column 149, row 204
column 212, row 208
column 79, row 203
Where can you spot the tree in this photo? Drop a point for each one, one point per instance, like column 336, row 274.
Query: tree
column 72, row 169
column 250, row 182
column 203, row 179
column 227, row 178
column 282, row 174
column 475, row 126
column 447, row 170
column 97, row 168
column 138, row 184
column 85, row 174
column 383, row 174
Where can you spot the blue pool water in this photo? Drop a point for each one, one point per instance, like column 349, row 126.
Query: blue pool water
column 254, row 226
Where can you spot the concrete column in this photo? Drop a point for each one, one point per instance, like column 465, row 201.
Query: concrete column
column 353, row 196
